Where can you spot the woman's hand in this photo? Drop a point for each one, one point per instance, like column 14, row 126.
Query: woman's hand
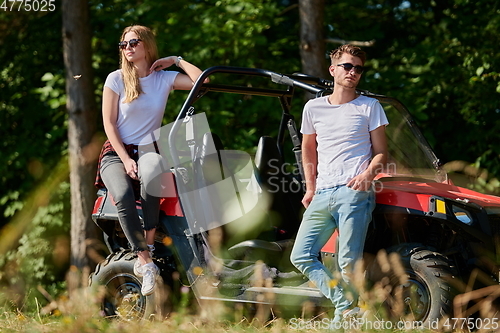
column 131, row 168
column 162, row 63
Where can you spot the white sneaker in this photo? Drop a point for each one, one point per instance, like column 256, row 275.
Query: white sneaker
column 150, row 272
column 138, row 268
column 352, row 313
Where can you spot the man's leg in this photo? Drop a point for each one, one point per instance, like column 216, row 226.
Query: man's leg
column 316, row 228
column 353, row 213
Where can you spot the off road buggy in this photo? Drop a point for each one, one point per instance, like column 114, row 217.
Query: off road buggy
column 230, row 212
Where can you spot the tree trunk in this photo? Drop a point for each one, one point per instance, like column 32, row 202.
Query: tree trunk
column 312, row 38
column 82, row 115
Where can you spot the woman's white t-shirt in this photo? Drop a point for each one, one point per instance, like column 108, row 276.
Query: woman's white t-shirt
column 143, row 115
column 342, row 136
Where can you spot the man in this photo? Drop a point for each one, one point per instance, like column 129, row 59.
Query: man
column 343, row 148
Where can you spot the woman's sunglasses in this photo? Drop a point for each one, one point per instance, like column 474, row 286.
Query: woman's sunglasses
column 347, row 67
column 133, row 43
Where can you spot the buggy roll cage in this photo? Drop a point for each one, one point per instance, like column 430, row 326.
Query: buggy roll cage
column 311, row 84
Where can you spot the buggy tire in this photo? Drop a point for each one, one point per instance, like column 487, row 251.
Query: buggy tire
column 119, row 289
column 428, row 292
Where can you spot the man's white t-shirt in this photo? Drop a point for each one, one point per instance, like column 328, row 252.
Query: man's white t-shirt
column 143, row 115
column 342, row 136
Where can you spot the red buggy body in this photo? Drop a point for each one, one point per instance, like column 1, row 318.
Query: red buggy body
column 249, row 202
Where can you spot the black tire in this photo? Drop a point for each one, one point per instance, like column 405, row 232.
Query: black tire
column 427, row 294
column 121, row 297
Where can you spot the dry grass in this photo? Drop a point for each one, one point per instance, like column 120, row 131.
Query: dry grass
column 80, row 312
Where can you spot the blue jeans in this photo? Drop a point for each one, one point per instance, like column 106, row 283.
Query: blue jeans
column 339, row 207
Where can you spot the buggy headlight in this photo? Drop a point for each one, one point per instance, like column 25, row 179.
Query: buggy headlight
column 462, row 215
column 445, row 208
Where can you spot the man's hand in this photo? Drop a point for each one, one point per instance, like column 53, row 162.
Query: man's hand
column 361, row 182
column 306, row 200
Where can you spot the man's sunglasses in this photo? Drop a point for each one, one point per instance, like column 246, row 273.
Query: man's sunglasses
column 347, row 67
column 133, row 43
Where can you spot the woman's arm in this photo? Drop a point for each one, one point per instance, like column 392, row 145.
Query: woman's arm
column 182, row 81
column 110, row 101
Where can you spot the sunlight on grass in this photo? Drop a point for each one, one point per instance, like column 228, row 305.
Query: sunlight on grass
column 384, row 309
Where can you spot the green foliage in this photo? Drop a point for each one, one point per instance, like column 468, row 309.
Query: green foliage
column 42, row 255
column 32, row 115
column 440, row 59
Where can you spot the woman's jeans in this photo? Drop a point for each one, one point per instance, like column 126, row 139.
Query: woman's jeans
column 339, row 207
column 120, row 185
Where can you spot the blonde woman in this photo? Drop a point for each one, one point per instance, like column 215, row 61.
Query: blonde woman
column 133, row 104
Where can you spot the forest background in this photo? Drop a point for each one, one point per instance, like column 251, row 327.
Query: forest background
column 440, row 58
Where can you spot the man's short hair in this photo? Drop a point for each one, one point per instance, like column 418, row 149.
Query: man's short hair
column 355, row 51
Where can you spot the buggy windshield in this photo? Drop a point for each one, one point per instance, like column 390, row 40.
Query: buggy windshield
column 217, row 170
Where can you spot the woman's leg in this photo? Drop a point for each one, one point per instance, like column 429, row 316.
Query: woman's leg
column 150, row 171
column 119, row 184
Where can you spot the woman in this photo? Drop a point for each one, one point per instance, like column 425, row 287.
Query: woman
column 133, row 104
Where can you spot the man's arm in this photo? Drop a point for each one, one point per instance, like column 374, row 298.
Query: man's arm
column 309, row 163
column 363, row 181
